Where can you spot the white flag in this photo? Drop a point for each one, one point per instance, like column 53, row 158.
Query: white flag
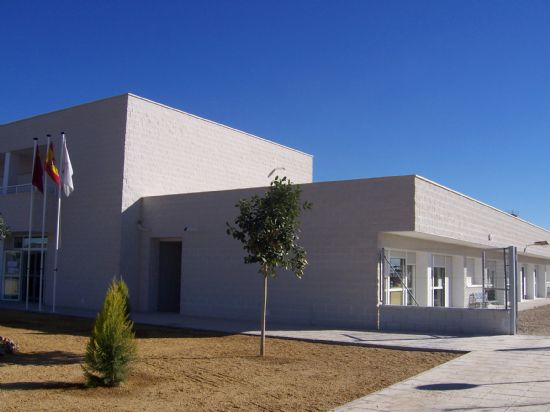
column 66, row 172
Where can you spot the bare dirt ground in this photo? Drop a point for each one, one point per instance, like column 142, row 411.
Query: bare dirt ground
column 192, row 370
column 535, row 321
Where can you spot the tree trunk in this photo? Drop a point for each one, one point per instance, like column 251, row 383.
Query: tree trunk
column 264, row 310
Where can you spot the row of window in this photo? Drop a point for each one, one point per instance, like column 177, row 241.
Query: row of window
column 400, row 281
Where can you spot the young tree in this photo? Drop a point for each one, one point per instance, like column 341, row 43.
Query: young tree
column 111, row 347
column 268, row 227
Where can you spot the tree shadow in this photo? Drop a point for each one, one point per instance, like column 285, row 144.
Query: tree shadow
column 42, row 358
column 150, row 332
column 33, row 386
column 46, row 322
column 52, row 324
column 453, row 386
column 543, row 348
column 446, row 386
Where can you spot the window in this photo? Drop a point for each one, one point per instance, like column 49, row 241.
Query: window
column 397, row 269
column 440, row 270
column 12, row 275
column 473, row 272
column 401, row 278
column 439, row 286
column 36, row 242
column 490, row 280
column 523, row 284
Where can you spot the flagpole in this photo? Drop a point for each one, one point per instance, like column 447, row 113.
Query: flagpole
column 58, row 222
column 43, row 230
column 30, row 226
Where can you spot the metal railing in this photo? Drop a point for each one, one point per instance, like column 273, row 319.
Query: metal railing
column 24, row 188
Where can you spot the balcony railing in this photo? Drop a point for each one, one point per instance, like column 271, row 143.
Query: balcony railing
column 24, row 188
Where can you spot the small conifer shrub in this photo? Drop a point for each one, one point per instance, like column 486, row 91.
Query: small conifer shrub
column 112, row 347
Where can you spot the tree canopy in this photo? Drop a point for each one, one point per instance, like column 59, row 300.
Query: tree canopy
column 268, row 227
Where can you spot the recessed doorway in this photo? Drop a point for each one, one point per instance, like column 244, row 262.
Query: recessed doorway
column 169, row 285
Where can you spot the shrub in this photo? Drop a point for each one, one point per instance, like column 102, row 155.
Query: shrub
column 123, row 288
column 111, row 348
column 8, row 346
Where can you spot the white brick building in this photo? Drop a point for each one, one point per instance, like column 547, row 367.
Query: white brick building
column 155, row 186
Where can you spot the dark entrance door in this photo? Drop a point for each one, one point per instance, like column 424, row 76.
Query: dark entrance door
column 169, row 276
column 34, row 276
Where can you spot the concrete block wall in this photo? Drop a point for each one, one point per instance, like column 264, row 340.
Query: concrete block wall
column 445, row 320
column 340, row 235
column 90, row 233
column 168, row 151
column 448, row 214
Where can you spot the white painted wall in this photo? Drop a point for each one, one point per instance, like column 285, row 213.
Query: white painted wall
column 340, row 235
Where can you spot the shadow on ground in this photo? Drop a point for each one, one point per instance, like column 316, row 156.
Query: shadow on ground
column 446, row 386
column 77, row 326
column 42, row 358
column 33, row 386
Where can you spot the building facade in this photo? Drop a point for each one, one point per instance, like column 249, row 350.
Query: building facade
column 155, row 187
column 122, row 149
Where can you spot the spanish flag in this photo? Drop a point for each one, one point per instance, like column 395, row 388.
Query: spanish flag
column 50, row 167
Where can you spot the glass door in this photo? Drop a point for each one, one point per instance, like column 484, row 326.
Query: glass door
column 12, row 275
column 34, row 275
column 438, row 279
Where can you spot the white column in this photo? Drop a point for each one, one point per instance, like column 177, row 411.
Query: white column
column 544, row 279
column 6, row 178
column 530, row 280
column 457, row 285
column 519, row 284
column 449, row 270
column 541, row 281
column 423, row 274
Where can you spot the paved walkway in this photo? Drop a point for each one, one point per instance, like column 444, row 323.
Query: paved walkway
column 499, row 373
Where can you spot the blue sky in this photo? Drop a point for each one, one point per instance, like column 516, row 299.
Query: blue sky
column 456, row 91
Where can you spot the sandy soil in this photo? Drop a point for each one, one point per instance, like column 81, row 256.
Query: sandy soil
column 190, row 370
column 535, row 321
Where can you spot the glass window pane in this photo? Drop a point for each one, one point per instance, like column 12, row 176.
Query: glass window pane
column 396, row 272
column 396, row 298
column 439, row 297
column 439, row 278
column 11, row 288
